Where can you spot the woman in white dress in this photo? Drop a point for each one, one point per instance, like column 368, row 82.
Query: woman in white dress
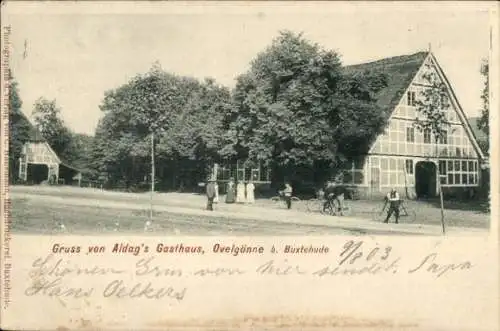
column 240, row 192
column 250, row 192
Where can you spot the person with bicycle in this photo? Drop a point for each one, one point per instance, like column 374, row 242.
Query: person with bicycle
column 287, row 195
column 334, row 191
column 394, row 203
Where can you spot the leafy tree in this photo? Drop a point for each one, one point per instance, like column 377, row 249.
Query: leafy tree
column 47, row 119
column 483, row 123
column 182, row 113
column 296, row 108
column 19, row 129
column 432, row 108
column 194, row 138
column 82, row 145
column 196, row 132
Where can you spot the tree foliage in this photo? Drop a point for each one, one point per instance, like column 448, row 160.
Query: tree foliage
column 82, row 145
column 19, row 128
column 47, row 118
column 183, row 113
column 433, row 106
column 484, row 122
column 296, row 107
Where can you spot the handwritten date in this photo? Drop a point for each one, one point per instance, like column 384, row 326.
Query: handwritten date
column 355, row 260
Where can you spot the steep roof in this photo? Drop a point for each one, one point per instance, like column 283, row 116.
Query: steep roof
column 399, row 70
column 35, row 136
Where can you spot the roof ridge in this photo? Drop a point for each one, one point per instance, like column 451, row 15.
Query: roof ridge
column 392, row 60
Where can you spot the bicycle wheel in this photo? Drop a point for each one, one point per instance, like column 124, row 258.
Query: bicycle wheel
column 275, row 199
column 314, row 205
column 330, row 208
column 295, row 199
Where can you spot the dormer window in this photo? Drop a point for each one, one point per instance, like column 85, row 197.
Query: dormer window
column 411, row 98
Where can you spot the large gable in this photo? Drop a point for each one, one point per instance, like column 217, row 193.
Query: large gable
column 399, row 70
column 401, row 73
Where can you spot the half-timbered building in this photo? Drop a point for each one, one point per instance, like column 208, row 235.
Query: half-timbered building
column 404, row 157
column 409, row 159
column 39, row 163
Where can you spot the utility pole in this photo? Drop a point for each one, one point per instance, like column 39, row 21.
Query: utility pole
column 439, row 187
column 152, row 175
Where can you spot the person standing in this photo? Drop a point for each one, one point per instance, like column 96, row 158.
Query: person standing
column 240, row 192
column 230, row 191
column 210, row 194
column 394, row 202
column 287, row 193
column 250, row 188
column 216, row 187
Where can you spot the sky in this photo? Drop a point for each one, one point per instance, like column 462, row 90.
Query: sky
column 77, row 51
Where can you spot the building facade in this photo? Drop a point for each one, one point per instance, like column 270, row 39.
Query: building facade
column 407, row 158
column 403, row 157
column 39, row 163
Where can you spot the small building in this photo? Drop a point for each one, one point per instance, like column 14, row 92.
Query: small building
column 405, row 158
column 39, row 163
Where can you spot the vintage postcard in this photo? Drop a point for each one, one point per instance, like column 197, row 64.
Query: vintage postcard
column 249, row 165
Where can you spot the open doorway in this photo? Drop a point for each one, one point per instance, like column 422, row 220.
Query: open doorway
column 425, row 179
column 37, row 173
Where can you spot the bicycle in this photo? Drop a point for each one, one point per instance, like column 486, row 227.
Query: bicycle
column 330, row 207
column 404, row 211
column 333, row 207
column 280, row 198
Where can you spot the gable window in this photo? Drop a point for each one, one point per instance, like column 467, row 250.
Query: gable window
column 411, row 98
column 427, row 136
column 410, row 134
column 443, row 139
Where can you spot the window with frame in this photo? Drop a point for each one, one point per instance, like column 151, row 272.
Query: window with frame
column 458, row 172
column 443, row 138
column 411, row 98
column 442, row 167
column 427, row 136
column 255, row 174
column 443, row 175
column 410, row 134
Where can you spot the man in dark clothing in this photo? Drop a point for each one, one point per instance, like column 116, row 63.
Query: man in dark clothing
column 210, row 194
column 393, row 199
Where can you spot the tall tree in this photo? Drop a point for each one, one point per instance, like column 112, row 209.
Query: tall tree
column 82, row 144
column 296, row 107
column 484, row 121
column 19, row 129
column 180, row 111
column 47, row 118
column 432, row 109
